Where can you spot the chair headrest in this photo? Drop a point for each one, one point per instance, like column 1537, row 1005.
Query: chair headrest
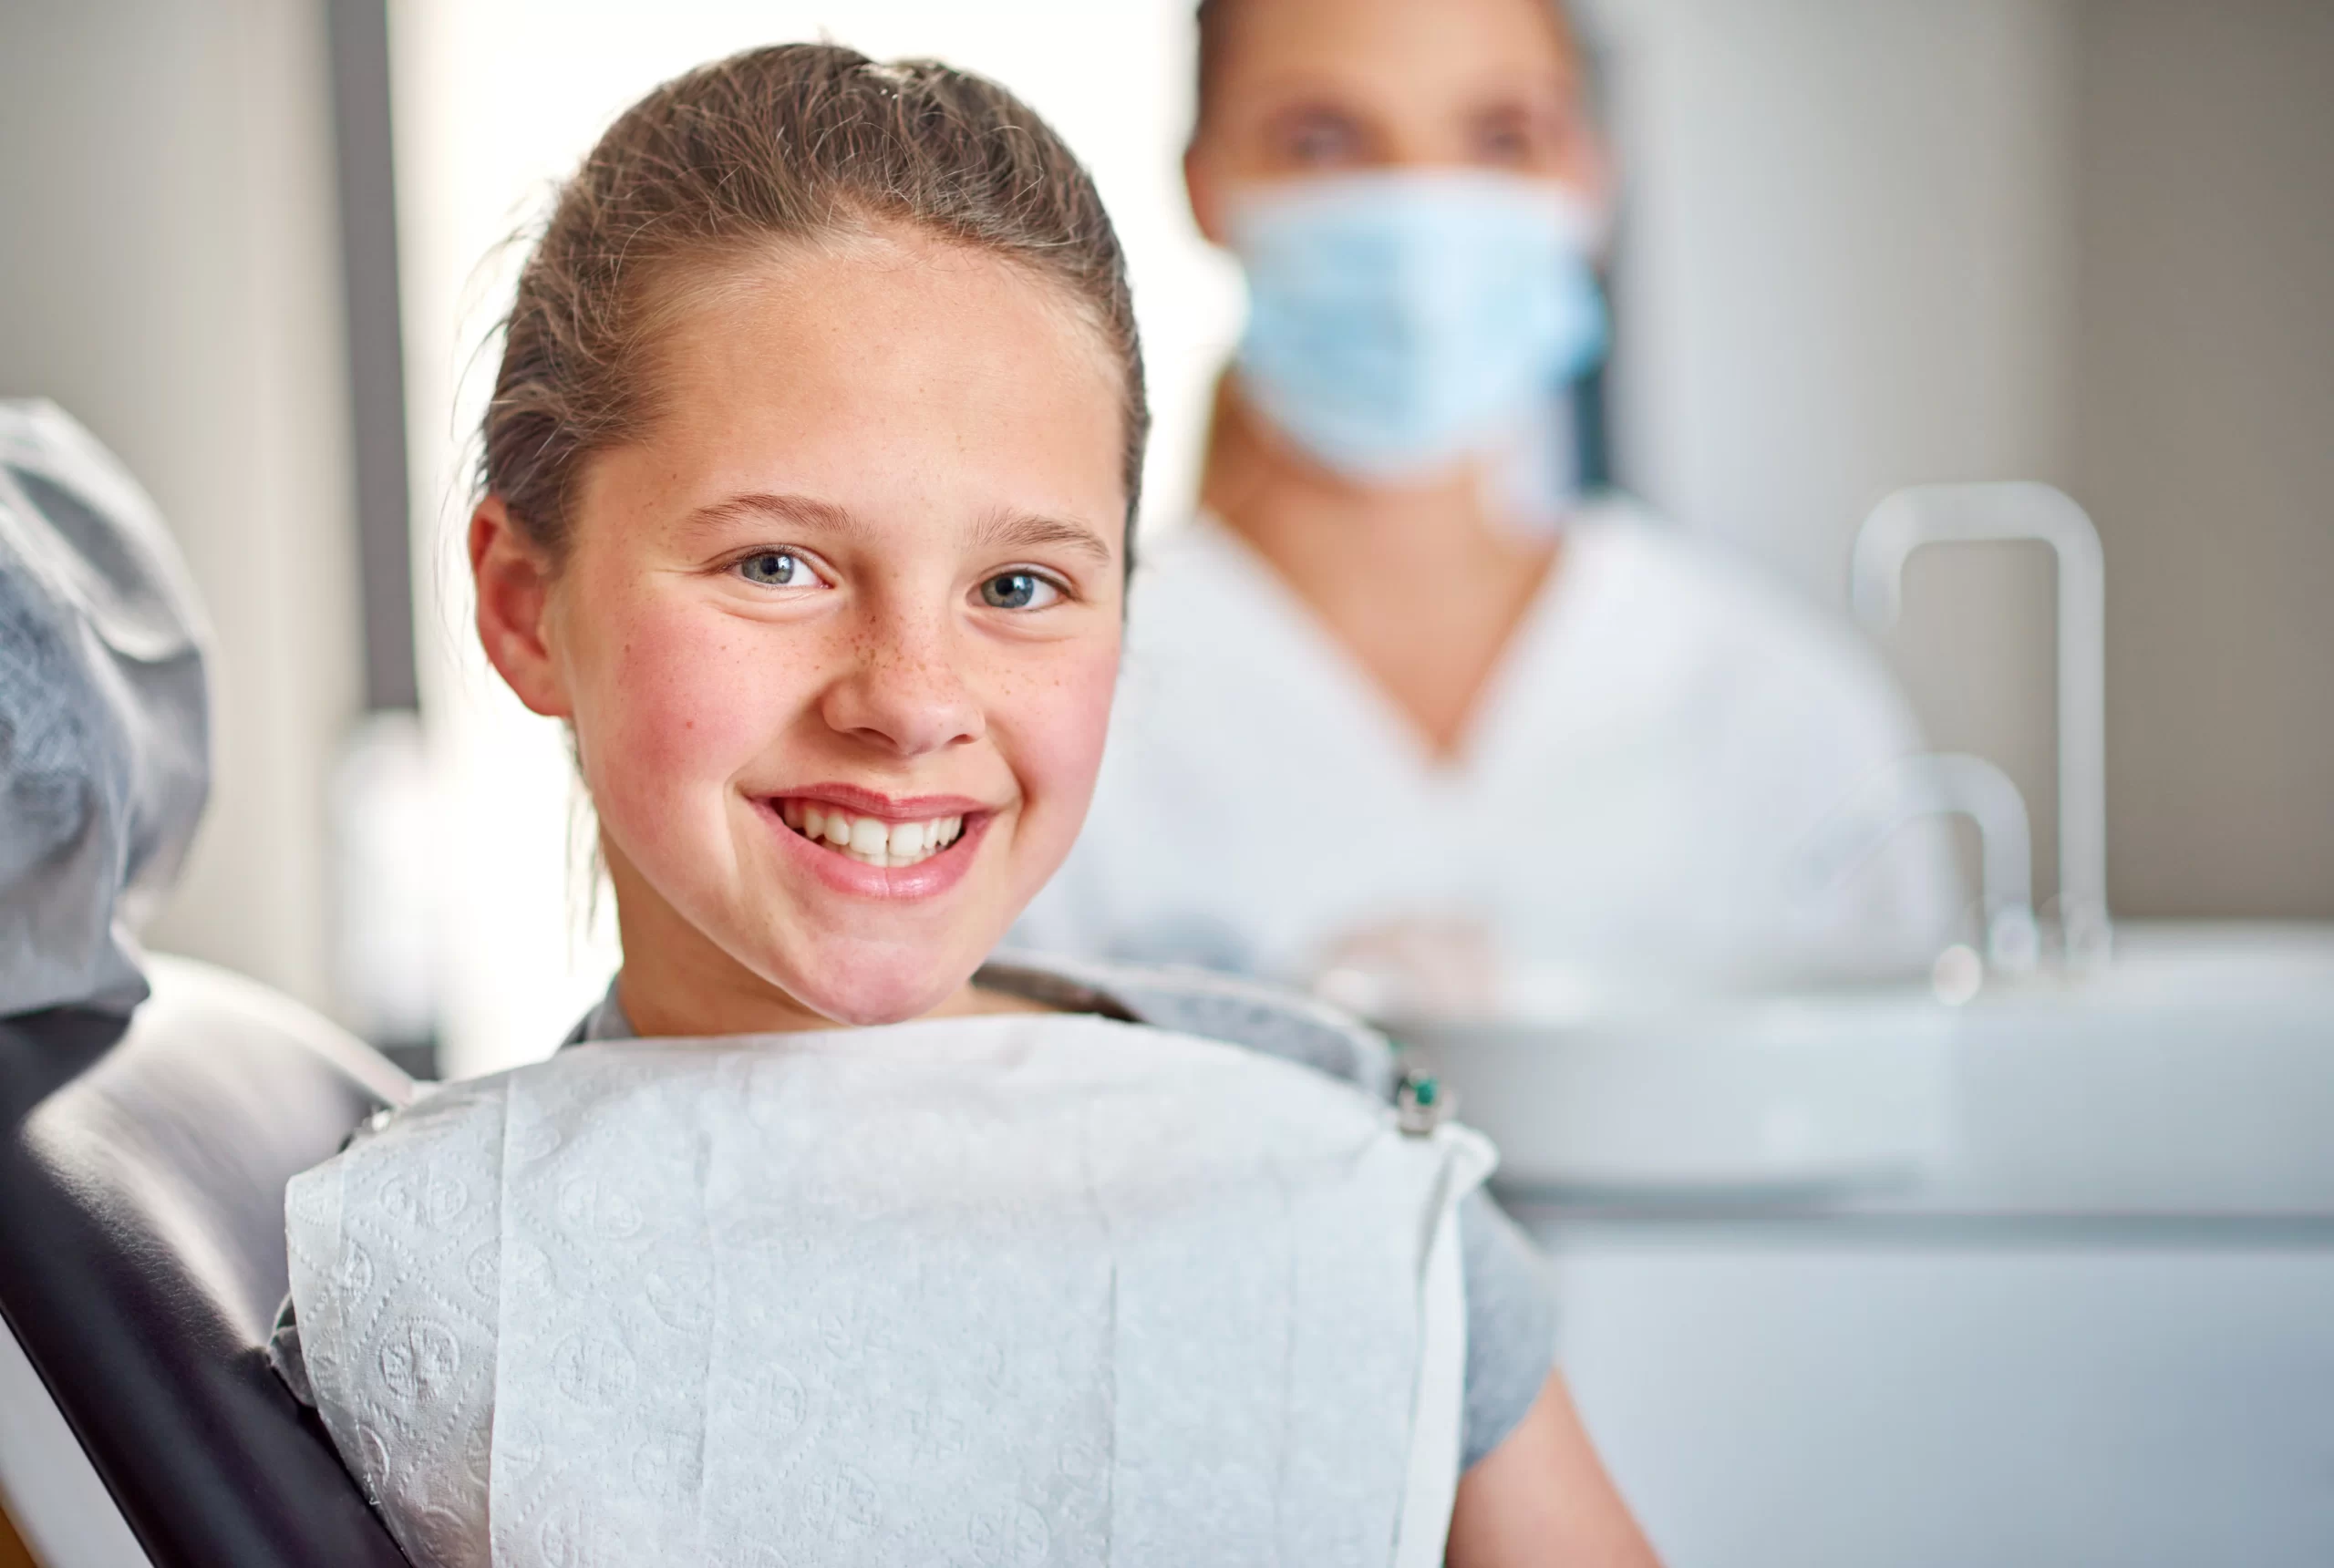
column 142, row 1170
column 105, row 718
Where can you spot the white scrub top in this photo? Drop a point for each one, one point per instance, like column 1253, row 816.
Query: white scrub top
column 1633, row 802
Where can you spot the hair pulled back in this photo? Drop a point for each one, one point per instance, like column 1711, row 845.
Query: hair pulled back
column 800, row 143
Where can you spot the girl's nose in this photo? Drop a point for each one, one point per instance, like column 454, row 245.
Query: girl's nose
column 901, row 691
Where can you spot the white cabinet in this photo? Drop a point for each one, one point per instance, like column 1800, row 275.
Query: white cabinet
column 1956, row 1393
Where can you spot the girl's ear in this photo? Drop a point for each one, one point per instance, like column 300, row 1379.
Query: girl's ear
column 513, row 581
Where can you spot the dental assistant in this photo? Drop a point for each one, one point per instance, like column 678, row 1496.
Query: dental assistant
column 1398, row 703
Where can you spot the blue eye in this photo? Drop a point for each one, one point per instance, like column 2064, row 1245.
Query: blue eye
column 1018, row 591
column 776, row 569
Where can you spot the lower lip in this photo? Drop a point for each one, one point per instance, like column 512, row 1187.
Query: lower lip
column 928, row 877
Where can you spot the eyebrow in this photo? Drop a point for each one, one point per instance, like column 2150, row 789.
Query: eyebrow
column 1027, row 531
column 794, row 511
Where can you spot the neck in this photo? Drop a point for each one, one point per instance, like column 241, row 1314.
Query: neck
column 692, row 990
column 1307, row 518
column 1422, row 585
column 678, row 984
column 1286, row 505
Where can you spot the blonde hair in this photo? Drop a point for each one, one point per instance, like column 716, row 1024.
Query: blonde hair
column 797, row 142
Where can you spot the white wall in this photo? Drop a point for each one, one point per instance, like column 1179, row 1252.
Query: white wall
column 170, row 257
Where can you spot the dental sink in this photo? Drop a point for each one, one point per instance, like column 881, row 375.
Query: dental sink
column 2041, row 1278
column 2193, row 1075
column 2176, row 1071
column 2024, row 1265
column 1765, row 1094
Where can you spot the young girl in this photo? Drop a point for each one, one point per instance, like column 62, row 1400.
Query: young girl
column 808, row 478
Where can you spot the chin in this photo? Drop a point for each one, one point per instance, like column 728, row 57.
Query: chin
column 861, row 986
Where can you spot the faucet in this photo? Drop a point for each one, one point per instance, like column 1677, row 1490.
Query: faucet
column 1973, row 513
column 1939, row 785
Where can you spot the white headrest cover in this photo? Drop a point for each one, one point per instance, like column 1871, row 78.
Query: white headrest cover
column 104, row 715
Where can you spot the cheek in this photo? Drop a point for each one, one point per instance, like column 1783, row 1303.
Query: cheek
column 676, row 701
column 1060, row 722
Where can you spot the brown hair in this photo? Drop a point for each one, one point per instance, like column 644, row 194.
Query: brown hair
column 797, row 143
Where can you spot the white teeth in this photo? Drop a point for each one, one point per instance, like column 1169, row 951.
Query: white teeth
column 870, row 839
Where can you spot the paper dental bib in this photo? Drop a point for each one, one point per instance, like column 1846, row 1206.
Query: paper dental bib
column 1008, row 1291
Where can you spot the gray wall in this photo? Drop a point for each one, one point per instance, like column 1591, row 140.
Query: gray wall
column 169, row 247
column 2202, row 441
column 1879, row 242
column 1844, row 267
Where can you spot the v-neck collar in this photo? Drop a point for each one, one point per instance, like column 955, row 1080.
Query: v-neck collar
column 1534, row 646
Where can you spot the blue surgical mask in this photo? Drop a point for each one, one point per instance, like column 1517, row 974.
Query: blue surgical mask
column 1400, row 321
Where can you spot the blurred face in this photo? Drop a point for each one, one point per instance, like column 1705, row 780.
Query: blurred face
column 1322, row 87
column 837, row 637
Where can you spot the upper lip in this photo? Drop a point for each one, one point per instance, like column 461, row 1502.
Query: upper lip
column 863, row 802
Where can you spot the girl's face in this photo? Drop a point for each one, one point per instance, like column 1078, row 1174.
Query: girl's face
column 838, row 635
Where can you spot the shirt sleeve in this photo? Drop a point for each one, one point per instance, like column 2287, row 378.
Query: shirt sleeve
column 1511, row 1325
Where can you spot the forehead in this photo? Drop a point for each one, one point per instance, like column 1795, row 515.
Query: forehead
column 1396, row 46
column 894, row 375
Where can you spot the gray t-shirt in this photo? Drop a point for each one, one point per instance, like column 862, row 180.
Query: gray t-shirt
column 1510, row 1311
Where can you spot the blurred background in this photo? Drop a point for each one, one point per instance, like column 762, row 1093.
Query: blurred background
column 258, row 246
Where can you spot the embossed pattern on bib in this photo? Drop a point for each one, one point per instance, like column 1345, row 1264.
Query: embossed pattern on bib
column 1004, row 1291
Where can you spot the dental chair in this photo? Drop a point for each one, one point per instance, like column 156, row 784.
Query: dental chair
column 142, row 1167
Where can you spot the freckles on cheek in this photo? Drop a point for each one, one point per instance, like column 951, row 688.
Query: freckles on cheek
column 686, row 700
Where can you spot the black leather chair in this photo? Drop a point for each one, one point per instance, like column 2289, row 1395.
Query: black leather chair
column 142, row 1169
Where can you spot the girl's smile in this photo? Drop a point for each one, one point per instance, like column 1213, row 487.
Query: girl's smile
column 878, row 849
